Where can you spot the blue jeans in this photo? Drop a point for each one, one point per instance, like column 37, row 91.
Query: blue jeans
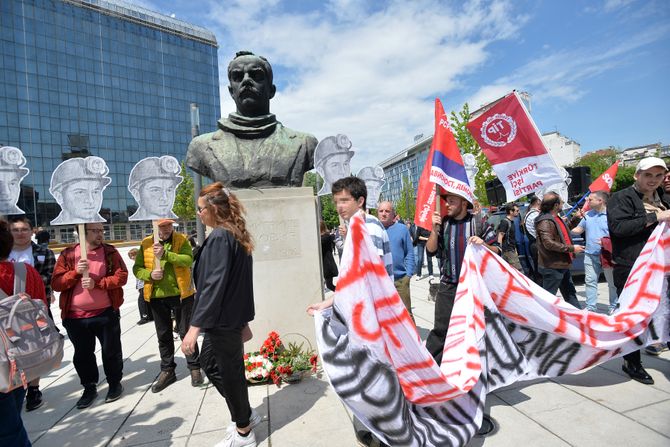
column 420, row 250
column 12, row 431
column 592, row 269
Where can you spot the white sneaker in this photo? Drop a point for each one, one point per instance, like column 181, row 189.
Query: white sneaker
column 254, row 420
column 237, row 440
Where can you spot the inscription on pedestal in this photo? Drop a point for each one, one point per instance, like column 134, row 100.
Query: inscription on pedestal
column 276, row 239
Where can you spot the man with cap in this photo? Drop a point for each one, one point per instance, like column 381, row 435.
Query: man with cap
column 77, row 186
column 153, row 183
column 332, row 159
column 632, row 215
column 168, row 289
column 448, row 239
column 12, row 171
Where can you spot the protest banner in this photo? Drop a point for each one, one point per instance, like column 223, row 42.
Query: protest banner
column 332, row 160
column 503, row 328
column 510, row 140
column 373, row 176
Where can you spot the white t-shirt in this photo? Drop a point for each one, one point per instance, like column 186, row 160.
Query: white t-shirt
column 22, row 256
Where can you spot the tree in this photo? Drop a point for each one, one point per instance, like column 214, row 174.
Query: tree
column 328, row 210
column 407, row 197
column 184, row 203
column 468, row 145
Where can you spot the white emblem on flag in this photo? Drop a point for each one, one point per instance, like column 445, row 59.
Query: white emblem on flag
column 499, row 130
column 608, row 179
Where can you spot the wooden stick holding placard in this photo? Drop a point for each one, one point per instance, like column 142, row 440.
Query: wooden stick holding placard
column 157, row 261
column 81, row 229
column 438, row 207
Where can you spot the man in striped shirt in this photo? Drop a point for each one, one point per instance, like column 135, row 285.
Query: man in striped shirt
column 349, row 195
column 449, row 237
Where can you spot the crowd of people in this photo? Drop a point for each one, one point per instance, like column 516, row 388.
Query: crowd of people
column 211, row 292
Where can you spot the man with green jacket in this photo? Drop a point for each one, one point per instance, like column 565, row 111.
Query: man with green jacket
column 168, row 290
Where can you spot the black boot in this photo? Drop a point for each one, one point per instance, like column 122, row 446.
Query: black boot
column 87, row 398
column 33, row 398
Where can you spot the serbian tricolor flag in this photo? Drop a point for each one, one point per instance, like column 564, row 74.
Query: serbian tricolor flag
column 512, row 143
column 425, row 196
column 447, row 169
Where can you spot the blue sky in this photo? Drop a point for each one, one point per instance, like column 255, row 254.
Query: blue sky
column 598, row 71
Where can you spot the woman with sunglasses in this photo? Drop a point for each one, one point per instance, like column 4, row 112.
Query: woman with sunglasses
column 224, row 304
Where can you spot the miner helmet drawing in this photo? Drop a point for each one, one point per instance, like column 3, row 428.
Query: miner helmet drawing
column 153, row 183
column 332, row 158
column 77, row 185
column 373, row 176
column 12, row 171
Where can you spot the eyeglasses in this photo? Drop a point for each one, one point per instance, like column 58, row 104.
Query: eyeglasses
column 20, row 230
column 96, row 231
column 201, row 208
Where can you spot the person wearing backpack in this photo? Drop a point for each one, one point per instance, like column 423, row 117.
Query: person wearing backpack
column 90, row 310
column 12, row 431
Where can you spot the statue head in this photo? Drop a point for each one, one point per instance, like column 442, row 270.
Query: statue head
column 251, row 86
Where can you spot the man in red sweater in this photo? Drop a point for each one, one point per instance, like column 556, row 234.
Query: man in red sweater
column 90, row 309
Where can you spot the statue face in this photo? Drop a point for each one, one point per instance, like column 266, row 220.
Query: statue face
column 336, row 167
column 82, row 199
column 250, row 86
column 157, row 196
column 10, row 188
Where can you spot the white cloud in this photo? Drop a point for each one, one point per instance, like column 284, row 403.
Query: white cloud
column 613, row 5
column 371, row 74
column 561, row 74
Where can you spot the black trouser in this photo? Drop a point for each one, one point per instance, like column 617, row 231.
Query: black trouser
column 83, row 332
column 555, row 279
column 444, row 304
column 143, row 306
column 160, row 308
column 620, row 276
column 222, row 358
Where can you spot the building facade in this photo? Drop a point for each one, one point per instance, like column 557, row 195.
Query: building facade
column 104, row 78
column 632, row 155
column 406, row 164
column 564, row 150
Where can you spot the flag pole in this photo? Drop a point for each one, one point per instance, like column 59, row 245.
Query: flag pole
column 578, row 203
column 437, row 199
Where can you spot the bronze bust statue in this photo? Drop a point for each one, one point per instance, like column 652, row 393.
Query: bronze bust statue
column 250, row 147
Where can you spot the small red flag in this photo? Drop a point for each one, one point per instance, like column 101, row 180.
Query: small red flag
column 606, row 179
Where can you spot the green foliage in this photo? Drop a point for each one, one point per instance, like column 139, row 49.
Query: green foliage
column 468, row 145
column 407, row 197
column 184, row 203
column 328, row 210
column 624, row 178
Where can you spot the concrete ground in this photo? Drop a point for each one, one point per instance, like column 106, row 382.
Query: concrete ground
column 600, row 407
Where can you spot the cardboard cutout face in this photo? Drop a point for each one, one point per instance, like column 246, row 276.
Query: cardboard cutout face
column 12, row 171
column 77, row 185
column 332, row 158
column 373, row 176
column 153, row 183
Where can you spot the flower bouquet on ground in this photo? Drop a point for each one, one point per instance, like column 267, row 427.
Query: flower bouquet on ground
column 278, row 362
column 257, row 368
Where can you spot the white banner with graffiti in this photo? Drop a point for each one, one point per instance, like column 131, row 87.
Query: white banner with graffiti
column 503, row 328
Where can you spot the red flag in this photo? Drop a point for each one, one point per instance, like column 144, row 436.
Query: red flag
column 606, row 180
column 425, row 195
column 512, row 143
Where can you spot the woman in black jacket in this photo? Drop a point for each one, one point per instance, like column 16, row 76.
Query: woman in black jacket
column 329, row 266
column 224, row 304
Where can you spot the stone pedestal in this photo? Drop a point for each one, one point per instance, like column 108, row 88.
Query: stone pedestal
column 287, row 261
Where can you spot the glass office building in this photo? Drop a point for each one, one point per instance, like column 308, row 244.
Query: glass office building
column 104, row 78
